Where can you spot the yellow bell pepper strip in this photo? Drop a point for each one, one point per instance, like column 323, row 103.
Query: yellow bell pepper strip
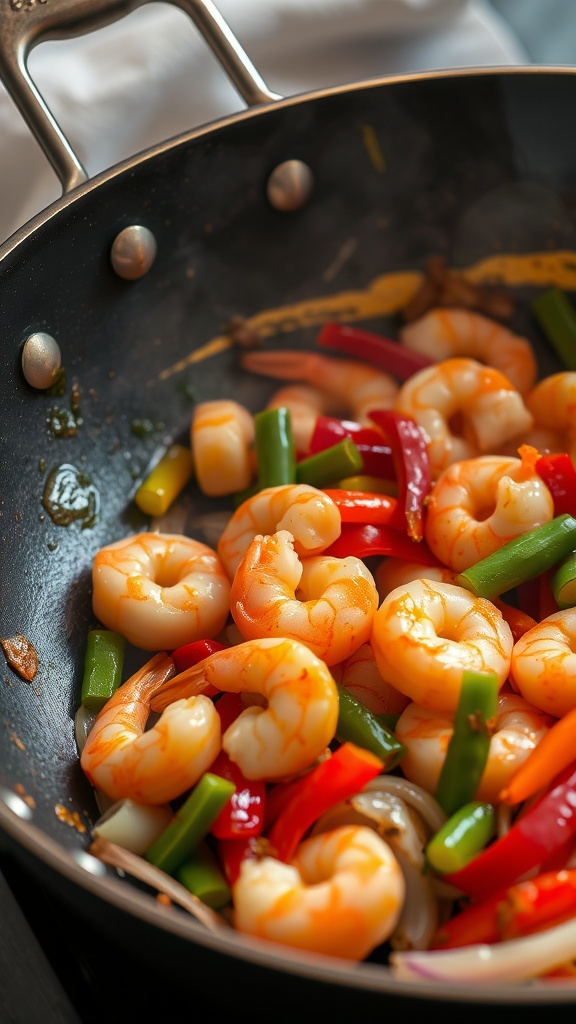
column 103, row 664
column 558, row 473
column 341, row 775
column 390, row 356
column 358, row 725
column 376, row 453
column 461, row 837
column 557, row 318
column 467, row 750
column 362, row 506
column 532, row 838
column 190, row 823
column 521, row 909
column 367, row 539
column 410, row 455
column 274, row 447
column 521, row 559
column 165, row 482
column 554, row 752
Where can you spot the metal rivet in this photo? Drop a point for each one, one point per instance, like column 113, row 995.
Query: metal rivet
column 41, row 360
column 290, row 186
column 133, row 252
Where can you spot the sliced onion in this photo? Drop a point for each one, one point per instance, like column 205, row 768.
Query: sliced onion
column 133, row 826
column 414, row 795
column 516, row 960
column 419, row 918
column 83, row 722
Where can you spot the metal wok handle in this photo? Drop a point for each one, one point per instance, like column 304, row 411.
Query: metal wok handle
column 25, row 23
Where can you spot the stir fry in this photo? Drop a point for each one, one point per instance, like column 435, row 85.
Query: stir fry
column 353, row 733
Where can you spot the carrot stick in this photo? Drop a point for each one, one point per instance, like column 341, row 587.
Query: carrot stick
column 520, row 622
column 555, row 751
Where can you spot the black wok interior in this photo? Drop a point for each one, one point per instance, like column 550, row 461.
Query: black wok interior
column 475, row 164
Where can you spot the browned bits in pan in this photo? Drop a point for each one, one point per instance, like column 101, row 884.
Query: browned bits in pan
column 445, row 287
column 242, row 334
column 20, row 655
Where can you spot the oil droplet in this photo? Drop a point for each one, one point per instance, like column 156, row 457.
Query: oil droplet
column 70, row 496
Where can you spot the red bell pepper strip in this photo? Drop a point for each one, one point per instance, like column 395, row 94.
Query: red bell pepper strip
column 410, row 456
column 243, row 815
column 558, row 473
column 228, row 706
column 375, row 451
column 532, row 838
column 528, row 906
column 363, row 506
column 390, row 356
column 341, row 775
column 191, row 654
column 366, row 539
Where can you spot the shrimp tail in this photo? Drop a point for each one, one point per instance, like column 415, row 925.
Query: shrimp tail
column 284, row 365
column 188, row 683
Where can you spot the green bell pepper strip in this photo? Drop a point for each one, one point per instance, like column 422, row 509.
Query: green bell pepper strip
column 563, row 582
column 191, row 823
column 340, row 460
column 532, row 839
column 467, row 750
column 557, row 318
column 461, row 837
column 103, row 664
column 521, row 559
column 358, row 725
column 274, row 446
column 200, row 873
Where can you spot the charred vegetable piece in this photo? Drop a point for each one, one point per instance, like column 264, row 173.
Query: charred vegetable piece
column 21, row 656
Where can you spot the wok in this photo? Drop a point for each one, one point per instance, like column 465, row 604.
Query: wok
column 467, row 165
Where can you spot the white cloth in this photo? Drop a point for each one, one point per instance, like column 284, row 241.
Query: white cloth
column 151, row 76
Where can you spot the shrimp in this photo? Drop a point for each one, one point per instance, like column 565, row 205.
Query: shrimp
column 543, row 664
column 490, row 409
column 307, row 513
column 299, row 721
column 394, row 572
column 341, row 896
column 552, row 403
column 359, row 674
column 517, row 728
column 426, row 633
column 221, row 437
column 160, row 590
column 334, row 609
column 477, row 505
column 354, row 388
column 305, row 404
column 443, row 333
column 157, row 765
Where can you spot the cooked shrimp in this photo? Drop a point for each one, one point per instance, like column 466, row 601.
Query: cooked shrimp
column 354, row 388
column 517, row 728
column 477, row 505
column 359, row 674
column 489, row 407
column 299, row 721
column 543, row 665
column 426, row 633
column 552, row 403
column 394, row 572
column 341, row 896
column 307, row 513
column 160, row 590
column 157, row 765
column 334, row 609
column 443, row 333
column 221, row 437
column 305, row 404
